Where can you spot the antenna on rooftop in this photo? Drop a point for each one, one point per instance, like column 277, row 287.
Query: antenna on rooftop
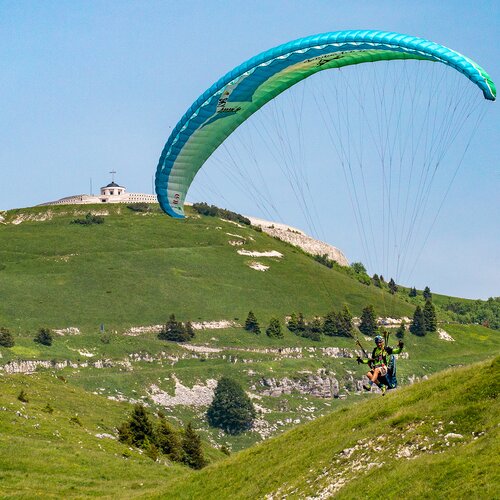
column 113, row 172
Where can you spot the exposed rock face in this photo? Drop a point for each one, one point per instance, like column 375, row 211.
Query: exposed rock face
column 198, row 395
column 300, row 239
column 321, row 386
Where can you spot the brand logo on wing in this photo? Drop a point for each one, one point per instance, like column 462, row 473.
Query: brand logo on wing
column 222, row 106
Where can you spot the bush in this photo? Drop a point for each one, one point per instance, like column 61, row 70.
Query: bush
column 213, row 211
column 6, row 338
column 23, row 397
column 140, row 207
column 89, row 220
column 231, row 409
column 43, row 337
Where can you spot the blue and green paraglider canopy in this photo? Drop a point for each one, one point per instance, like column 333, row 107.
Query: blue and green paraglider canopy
column 248, row 87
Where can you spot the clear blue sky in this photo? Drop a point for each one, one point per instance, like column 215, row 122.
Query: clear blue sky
column 91, row 86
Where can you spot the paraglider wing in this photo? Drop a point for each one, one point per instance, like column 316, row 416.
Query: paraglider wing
column 245, row 89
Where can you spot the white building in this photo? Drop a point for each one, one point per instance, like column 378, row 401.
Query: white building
column 112, row 193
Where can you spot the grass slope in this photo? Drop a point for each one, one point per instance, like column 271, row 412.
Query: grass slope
column 435, row 439
column 136, row 269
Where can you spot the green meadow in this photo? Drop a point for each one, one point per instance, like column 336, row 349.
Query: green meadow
column 138, row 268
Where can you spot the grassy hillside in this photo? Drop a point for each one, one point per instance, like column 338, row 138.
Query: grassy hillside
column 137, row 268
column 434, row 439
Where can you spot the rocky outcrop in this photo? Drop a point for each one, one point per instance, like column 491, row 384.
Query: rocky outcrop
column 300, row 239
column 320, row 386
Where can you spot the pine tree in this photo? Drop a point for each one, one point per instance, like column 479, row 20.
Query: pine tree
column 368, row 324
column 301, row 324
column 274, row 329
column 231, row 409
column 168, row 440
column 329, row 324
column 189, row 330
column 412, row 292
column 400, row 332
column 393, row 288
column 376, row 281
column 191, row 445
column 418, row 324
column 44, row 337
column 430, row 319
column 427, row 293
column 251, row 324
column 345, row 320
column 138, row 430
column 315, row 325
column 6, row 338
column 174, row 331
column 292, row 323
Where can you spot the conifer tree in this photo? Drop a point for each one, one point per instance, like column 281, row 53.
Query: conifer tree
column 6, row 338
column 191, row 445
column 376, row 281
column 138, row 431
column 427, row 293
column 393, row 288
column 418, row 324
column 174, row 331
column 301, row 324
column 292, row 323
column 345, row 318
column 315, row 325
column 251, row 324
column 274, row 329
column 168, row 440
column 400, row 332
column 231, row 409
column 430, row 319
column 329, row 324
column 412, row 292
column 368, row 324
column 44, row 337
column 189, row 330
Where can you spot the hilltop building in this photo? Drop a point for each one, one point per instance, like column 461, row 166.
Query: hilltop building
column 111, row 193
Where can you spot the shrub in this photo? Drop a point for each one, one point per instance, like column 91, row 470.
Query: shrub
column 140, row 207
column 76, row 420
column 48, row 408
column 213, row 211
column 23, row 397
column 89, row 220
column 6, row 338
